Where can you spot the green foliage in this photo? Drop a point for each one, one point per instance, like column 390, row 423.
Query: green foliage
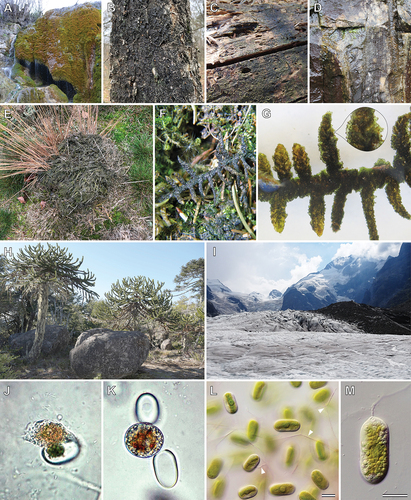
column 337, row 181
column 6, row 365
column 136, row 300
column 363, row 131
column 327, row 143
column 282, row 164
column 191, row 278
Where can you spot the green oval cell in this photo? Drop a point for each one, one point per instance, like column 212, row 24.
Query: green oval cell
column 258, row 390
column 214, row 468
column 249, row 491
column 321, row 395
column 218, row 487
column 288, row 412
column 321, row 450
column 319, row 479
column 239, row 438
column 213, row 407
column 374, row 451
column 252, row 430
column 296, row 384
column 317, row 385
column 282, row 489
column 287, row 425
column 230, row 403
column 305, row 495
column 289, row 456
column 251, row 463
column 306, row 413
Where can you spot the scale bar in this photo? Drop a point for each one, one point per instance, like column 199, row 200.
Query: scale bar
column 395, row 495
column 328, row 495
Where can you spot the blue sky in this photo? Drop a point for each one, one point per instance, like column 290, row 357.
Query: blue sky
column 110, row 261
column 262, row 267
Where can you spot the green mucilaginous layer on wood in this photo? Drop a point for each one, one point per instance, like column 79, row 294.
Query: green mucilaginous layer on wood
column 335, row 180
column 68, row 42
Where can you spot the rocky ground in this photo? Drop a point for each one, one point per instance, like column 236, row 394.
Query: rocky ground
column 298, row 344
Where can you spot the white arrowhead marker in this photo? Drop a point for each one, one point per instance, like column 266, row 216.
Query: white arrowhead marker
column 262, row 471
column 310, row 432
column 321, row 410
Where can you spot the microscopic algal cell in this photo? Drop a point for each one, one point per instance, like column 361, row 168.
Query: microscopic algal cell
column 251, row 463
column 319, row 479
column 214, row 468
column 258, row 390
column 45, row 433
column 282, row 489
column 321, row 450
column 374, row 437
column 287, row 425
column 230, row 403
column 248, row 491
column 143, row 440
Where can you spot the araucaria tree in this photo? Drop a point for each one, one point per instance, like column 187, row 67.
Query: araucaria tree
column 134, row 301
column 191, row 278
column 38, row 271
column 152, row 55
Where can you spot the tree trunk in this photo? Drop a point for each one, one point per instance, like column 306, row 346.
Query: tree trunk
column 41, row 322
column 152, row 56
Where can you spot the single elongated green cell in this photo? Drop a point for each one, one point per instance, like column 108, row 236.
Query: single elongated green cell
column 213, row 407
column 319, row 479
column 218, row 487
column 321, row 450
column 239, row 438
column 251, row 463
column 296, row 384
column 289, row 456
column 248, row 491
column 317, row 385
column 321, row 395
column 288, row 412
column 305, row 495
column 258, row 390
column 374, row 454
column 214, row 468
column 287, row 425
column 252, row 430
column 282, row 489
column 230, row 403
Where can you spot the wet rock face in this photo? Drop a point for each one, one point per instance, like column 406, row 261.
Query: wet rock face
column 361, row 51
column 68, row 42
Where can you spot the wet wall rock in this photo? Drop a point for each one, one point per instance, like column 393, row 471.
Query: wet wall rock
column 361, row 51
column 68, row 42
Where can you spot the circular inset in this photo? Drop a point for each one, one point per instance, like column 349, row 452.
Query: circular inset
column 143, row 440
column 147, row 408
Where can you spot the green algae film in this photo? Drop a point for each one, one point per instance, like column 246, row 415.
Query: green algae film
column 230, row 403
column 305, row 495
column 251, row 463
column 252, row 430
column 214, row 468
column 287, row 425
column 218, row 488
column 289, row 456
column 282, row 489
column 319, row 479
column 321, row 395
column 317, row 384
column 258, row 390
column 321, row 450
column 374, row 450
column 248, row 491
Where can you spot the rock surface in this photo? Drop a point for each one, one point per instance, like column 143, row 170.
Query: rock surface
column 56, row 338
column 109, row 354
column 166, row 345
column 68, row 42
column 360, row 51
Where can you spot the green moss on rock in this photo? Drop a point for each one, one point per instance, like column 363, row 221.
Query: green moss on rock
column 68, row 42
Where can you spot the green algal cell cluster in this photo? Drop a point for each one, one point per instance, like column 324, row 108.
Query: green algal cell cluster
column 282, row 489
column 374, row 451
column 335, row 179
column 230, row 403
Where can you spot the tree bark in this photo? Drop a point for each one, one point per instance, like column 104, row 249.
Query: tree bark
column 41, row 323
column 152, row 55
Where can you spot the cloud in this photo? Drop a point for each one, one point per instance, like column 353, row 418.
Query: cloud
column 368, row 249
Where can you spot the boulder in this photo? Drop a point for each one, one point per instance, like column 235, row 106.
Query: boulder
column 166, row 345
column 103, row 352
column 56, row 338
column 51, row 94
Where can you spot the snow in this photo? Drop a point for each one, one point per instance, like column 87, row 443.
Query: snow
column 294, row 344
